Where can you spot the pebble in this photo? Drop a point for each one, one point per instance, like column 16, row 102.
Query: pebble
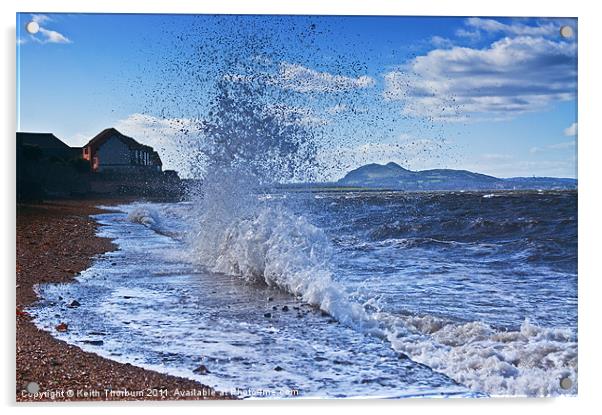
column 201, row 370
column 61, row 327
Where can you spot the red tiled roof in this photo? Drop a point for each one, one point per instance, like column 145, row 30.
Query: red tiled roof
column 107, row 133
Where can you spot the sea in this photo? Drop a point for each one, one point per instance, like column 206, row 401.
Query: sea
column 336, row 294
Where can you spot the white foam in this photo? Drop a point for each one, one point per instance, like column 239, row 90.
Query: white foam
column 286, row 251
column 527, row 362
column 144, row 215
column 271, row 245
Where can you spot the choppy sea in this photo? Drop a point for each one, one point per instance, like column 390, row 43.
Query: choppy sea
column 338, row 294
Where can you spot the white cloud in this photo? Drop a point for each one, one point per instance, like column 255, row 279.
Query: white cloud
column 40, row 18
column 558, row 146
column 441, row 42
column 175, row 139
column 301, row 79
column 549, row 28
column 51, row 36
column 46, row 35
column 510, row 77
column 563, row 145
column 571, row 130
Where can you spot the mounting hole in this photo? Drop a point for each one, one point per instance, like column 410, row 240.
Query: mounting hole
column 33, row 387
column 32, row 27
column 566, row 32
column 566, row 383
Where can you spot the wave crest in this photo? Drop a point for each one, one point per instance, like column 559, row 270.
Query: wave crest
column 286, row 251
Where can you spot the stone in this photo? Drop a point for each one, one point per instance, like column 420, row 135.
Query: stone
column 62, row 327
column 201, row 370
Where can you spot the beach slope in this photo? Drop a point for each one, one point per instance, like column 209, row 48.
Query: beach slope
column 54, row 242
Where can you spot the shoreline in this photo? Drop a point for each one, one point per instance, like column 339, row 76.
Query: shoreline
column 54, row 242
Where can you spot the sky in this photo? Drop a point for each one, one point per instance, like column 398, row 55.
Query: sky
column 491, row 95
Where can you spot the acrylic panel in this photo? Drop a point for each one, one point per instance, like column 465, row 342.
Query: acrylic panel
column 285, row 207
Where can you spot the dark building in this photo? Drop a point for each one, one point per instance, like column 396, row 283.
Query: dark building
column 110, row 150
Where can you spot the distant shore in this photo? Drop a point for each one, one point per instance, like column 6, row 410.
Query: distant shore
column 55, row 241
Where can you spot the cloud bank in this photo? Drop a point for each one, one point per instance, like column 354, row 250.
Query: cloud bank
column 511, row 76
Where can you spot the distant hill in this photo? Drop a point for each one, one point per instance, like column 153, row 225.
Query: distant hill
column 393, row 176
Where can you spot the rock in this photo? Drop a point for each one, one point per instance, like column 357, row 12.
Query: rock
column 274, row 308
column 278, row 369
column 201, row 370
column 74, row 304
column 62, row 327
column 267, row 315
column 285, row 308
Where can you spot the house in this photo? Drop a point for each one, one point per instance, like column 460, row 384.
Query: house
column 110, row 150
column 47, row 167
column 45, row 145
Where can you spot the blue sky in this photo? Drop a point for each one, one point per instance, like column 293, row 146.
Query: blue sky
column 492, row 95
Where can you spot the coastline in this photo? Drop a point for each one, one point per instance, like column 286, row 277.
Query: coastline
column 55, row 241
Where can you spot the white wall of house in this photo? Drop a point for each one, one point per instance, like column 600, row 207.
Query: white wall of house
column 113, row 152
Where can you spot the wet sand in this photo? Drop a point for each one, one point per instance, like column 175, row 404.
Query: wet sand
column 55, row 241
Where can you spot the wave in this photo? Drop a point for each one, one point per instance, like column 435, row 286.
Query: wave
column 145, row 216
column 166, row 222
column 286, row 251
column 530, row 361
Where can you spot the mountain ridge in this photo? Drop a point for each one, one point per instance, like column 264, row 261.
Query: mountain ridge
column 393, row 176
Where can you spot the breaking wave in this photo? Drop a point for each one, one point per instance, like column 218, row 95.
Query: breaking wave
column 146, row 216
column 530, row 361
column 278, row 248
column 237, row 230
column 283, row 250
